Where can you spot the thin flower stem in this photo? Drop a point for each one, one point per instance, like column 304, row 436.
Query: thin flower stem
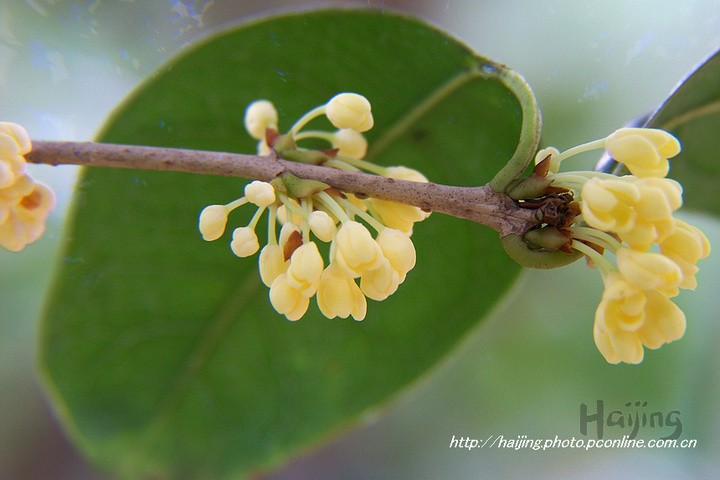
column 341, row 165
column 328, row 136
column 598, row 237
column 603, row 264
column 290, row 206
column 579, row 177
column 315, row 112
column 272, row 218
column 332, row 206
column 363, row 165
column 479, row 204
column 254, row 221
column 236, row 203
column 585, row 147
column 306, row 206
column 360, row 213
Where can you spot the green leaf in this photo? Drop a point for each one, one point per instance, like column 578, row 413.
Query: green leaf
column 692, row 113
column 161, row 353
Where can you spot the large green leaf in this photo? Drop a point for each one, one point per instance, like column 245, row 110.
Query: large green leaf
column 161, row 352
column 692, row 113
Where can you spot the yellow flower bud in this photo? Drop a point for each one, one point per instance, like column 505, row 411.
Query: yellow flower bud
column 643, row 150
column 212, row 221
column 306, row 266
column 288, row 230
column 542, row 155
column 639, row 210
column 19, row 135
column 286, row 299
column 397, row 215
column 659, row 198
column 263, row 148
column 260, row 193
column 608, row 204
column 355, row 250
column 619, row 347
column 12, row 163
column 293, row 217
column 10, row 196
column 622, row 306
column 350, row 143
column 271, row 263
column 244, row 242
column 322, row 225
column 349, row 110
column 381, row 282
column 339, row 296
column 260, row 115
column 649, row 271
column 24, row 208
column 685, row 247
column 398, row 249
column 628, row 318
column 664, row 321
column 357, row 202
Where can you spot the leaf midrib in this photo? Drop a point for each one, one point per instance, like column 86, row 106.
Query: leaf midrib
column 203, row 350
column 693, row 114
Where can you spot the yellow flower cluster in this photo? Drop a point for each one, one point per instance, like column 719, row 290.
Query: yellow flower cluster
column 24, row 203
column 359, row 264
column 656, row 253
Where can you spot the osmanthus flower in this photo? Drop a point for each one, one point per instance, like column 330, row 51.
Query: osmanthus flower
column 24, row 203
column 685, row 246
column 339, row 296
column 629, row 318
column 630, row 218
column 644, row 151
column 259, row 116
column 355, row 250
column 640, row 210
column 359, row 263
column 350, row 110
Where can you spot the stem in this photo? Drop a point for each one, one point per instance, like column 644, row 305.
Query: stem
column 254, row 221
column 315, row 112
column 585, row 147
column 597, row 237
column 332, row 206
column 479, row 204
column 360, row 213
column 236, row 203
column 328, row 136
column 306, row 206
column 272, row 216
column 602, row 263
column 363, row 165
column 339, row 164
column 529, row 131
column 290, row 207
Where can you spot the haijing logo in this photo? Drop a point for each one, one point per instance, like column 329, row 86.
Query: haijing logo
column 633, row 417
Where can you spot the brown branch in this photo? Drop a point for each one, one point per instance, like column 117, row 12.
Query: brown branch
column 479, row 204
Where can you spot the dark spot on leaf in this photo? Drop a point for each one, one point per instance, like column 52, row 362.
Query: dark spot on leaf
column 418, row 135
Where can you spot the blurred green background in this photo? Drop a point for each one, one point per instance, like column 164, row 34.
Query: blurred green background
column 593, row 66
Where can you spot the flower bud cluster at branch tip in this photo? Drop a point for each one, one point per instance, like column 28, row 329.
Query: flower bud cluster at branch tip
column 24, row 203
column 314, row 218
column 631, row 218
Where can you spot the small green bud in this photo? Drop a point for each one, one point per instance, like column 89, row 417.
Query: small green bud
column 301, row 188
column 529, row 187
